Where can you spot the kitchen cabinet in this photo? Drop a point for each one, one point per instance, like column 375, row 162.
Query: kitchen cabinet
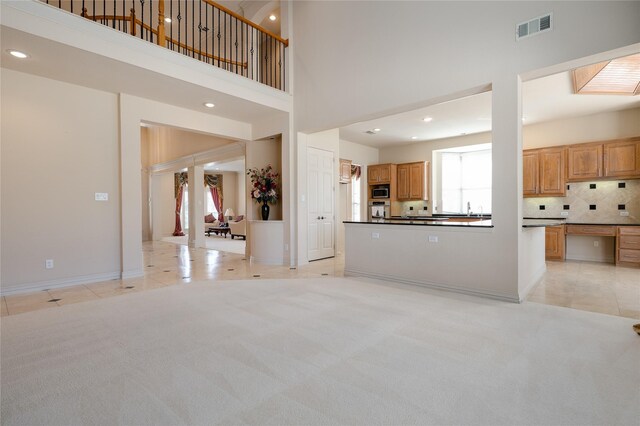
column 530, row 168
column 413, row 181
column 554, row 242
column 544, row 172
column 584, row 162
column 628, row 246
column 379, row 173
column 622, row 159
column 595, row 230
column 617, row 159
column 345, row 171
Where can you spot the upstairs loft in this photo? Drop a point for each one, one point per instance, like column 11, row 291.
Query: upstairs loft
column 200, row 29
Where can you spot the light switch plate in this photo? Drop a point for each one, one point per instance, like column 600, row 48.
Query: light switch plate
column 433, row 239
column 375, row 235
column 102, row 196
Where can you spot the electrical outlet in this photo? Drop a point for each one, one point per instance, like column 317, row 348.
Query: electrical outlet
column 564, row 213
column 48, row 263
column 623, row 213
column 375, row 235
column 433, row 239
column 102, row 196
column 596, row 243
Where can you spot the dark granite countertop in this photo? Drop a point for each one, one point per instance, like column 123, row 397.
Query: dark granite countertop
column 568, row 222
column 423, row 222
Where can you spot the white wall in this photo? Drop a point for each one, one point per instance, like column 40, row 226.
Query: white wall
column 230, row 192
column 163, row 207
column 242, row 193
column 59, row 147
column 587, row 128
column 359, row 155
column 167, row 144
column 435, row 51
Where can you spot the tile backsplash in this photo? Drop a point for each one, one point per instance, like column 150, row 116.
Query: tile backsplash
column 590, row 202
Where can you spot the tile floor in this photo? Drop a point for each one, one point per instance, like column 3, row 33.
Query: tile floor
column 587, row 286
column 590, row 286
column 170, row 264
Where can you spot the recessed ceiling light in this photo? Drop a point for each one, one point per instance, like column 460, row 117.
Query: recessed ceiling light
column 414, row 137
column 427, row 119
column 376, row 130
column 167, row 20
column 17, row 54
column 273, row 17
column 209, row 104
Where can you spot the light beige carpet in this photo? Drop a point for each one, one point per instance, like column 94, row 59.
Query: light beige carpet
column 214, row 242
column 316, row 351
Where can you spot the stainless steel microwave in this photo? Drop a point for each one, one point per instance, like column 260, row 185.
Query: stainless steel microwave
column 380, row 192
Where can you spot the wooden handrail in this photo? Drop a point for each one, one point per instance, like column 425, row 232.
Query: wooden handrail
column 108, row 17
column 246, row 21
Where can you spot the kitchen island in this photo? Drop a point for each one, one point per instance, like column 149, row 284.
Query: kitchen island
column 464, row 257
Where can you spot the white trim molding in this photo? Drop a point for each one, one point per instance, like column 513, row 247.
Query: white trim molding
column 60, row 283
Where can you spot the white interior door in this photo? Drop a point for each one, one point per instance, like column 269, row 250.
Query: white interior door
column 321, row 220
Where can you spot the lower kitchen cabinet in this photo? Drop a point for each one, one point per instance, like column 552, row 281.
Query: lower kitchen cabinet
column 628, row 246
column 554, row 241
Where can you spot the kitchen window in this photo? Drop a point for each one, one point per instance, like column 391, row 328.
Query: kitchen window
column 355, row 193
column 466, row 181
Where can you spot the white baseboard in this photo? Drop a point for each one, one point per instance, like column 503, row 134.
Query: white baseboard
column 58, row 283
column 609, row 259
column 437, row 286
column 134, row 273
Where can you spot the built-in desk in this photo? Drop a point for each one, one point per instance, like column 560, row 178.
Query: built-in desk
column 626, row 238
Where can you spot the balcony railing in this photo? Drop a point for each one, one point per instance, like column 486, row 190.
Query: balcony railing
column 201, row 29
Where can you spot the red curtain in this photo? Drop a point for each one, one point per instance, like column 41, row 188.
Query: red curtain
column 217, row 202
column 178, row 230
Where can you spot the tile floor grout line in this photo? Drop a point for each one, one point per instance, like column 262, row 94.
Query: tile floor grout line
column 94, row 293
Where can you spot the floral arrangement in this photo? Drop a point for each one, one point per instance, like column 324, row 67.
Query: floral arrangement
column 265, row 184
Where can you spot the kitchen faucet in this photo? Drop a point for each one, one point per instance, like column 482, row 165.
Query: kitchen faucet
column 468, row 208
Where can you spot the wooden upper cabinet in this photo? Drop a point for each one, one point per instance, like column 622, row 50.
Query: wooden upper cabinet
column 584, row 162
column 622, row 158
column 543, row 172
column 413, row 181
column 379, row 173
column 552, row 172
column 403, row 181
column 345, row 171
column 530, row 168
column 417, row 181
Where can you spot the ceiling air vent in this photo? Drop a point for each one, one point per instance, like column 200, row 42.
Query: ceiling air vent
column 534, row 26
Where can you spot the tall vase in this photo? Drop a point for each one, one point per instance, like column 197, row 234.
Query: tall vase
column 265, row 211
